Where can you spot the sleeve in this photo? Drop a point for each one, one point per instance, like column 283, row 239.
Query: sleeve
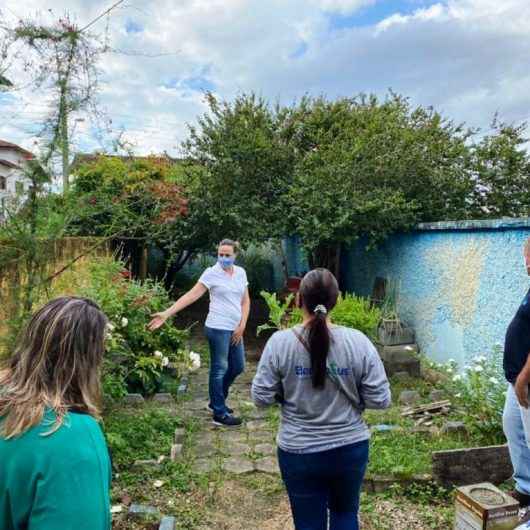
column 267, row 386
column 245, row 278
column 206, row 278
column 374, row 388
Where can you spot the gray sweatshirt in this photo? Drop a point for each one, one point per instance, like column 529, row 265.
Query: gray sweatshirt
column 321, row 419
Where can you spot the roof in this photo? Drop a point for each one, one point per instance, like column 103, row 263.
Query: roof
column 8, row 145
column 7, row 163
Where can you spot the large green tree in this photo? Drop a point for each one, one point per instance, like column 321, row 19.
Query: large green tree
column 368, row 168
column 247, row 168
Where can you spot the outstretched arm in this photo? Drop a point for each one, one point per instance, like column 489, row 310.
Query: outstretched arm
column 184, row 301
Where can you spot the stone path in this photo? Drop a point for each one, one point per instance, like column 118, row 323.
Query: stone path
column 247, row 449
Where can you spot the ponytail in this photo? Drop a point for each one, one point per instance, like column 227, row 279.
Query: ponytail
column 319, row 291
column 319, row 341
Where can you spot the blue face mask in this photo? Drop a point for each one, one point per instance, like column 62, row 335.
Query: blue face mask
column 226, row 263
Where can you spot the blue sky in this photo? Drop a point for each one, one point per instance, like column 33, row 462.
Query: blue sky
column 467, row 58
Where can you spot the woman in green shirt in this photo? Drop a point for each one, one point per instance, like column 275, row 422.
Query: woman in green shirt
column 54, row 464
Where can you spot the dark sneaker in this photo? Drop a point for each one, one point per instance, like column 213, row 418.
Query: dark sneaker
column 228, row 409
column 227, row 421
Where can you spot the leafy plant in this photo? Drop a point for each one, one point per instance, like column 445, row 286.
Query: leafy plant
column 351, row 311
column 479, row 392
column 278, row 311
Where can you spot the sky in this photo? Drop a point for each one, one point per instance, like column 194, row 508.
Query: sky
column 467, row 58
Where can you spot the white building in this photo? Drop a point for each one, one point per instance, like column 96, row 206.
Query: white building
column 13, row 183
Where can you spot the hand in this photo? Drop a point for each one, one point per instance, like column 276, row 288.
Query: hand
column 158, row 320
column 238, row 334
column 521, row 391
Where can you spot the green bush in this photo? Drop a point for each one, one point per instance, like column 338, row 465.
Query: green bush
column 136, row 358
column 351, row 311
column 479, row 392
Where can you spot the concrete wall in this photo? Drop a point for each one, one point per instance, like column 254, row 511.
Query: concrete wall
column 460, row 282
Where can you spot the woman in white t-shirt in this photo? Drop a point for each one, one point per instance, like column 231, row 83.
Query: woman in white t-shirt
column 225, row 325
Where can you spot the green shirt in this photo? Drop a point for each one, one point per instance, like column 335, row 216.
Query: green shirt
column 56, row 482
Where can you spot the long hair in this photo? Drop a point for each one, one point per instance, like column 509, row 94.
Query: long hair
column 318, row 294
column 56, row 366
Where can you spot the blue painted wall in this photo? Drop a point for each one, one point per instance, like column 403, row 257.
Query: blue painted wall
column 461, row 282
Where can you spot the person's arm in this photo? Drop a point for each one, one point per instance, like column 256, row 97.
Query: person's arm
column 374, row 388
column 184, row 301
column 521, row 384
column 267, row 386
column 245, row 311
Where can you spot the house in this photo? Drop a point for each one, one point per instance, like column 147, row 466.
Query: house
column 13, row 182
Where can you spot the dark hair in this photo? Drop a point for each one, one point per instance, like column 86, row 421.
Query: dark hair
column 319, row 291
column 230, row 243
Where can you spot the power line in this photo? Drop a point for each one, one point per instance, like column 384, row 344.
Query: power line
column 102, row 15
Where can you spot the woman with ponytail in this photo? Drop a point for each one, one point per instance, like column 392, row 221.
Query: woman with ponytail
column 324, row 376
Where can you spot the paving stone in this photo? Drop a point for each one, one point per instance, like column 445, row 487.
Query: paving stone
column 143, row 513
column 401, row 376
column 454, row 427
column 265, row 449
column 197, row 405
column 205, row 450
column 236, row 449
column 167, row 523
column 262, row 437
column 163, row 397
column 267, row 465
column 176, row 451
column 134, row 399
column 147, row 463
column 180, row 434
column 257, row 425
column 409, row 397
column 437, row 395
column 204, row 465
column 238, row 465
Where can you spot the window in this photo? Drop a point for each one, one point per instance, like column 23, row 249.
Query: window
column 19, row 187
column 3, row 183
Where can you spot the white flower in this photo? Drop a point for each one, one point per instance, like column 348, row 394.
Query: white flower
column 449, row 370
column 158, row 354
column 110, row 326
column 117, row 508
column 478, row 368
column 480, row 359
column 493, row 380
column 158, row 483
column 165, row 361
column 456, row 378
column 451, row 361
column 459, row 395
column 124, row 322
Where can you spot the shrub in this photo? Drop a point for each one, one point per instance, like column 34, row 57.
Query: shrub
column 351, row 311
column 479, row 392
column 136, row 357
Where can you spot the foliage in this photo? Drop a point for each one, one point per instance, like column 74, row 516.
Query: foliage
column 139, row 435
column 501, row 167
column 247, row 164
column 259, row 268
column 369, row 168
column 136, row 357
column 351, row 311
column 480, row 392
column 278, row 311
column 358, row 313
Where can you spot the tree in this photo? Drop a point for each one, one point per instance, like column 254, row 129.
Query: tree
column 247, row 167
column 370, row 168
column 500, row 166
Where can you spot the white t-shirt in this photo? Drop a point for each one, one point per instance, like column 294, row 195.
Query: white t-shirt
column 226, row 295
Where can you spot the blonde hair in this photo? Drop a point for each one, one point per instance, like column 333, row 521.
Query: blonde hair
column 56, row 366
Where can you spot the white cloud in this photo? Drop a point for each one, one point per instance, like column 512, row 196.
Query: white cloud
column 468, row 58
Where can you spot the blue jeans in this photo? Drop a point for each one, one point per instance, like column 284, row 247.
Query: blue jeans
column 227, row 361
column 328, row 480
column 519, row 451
